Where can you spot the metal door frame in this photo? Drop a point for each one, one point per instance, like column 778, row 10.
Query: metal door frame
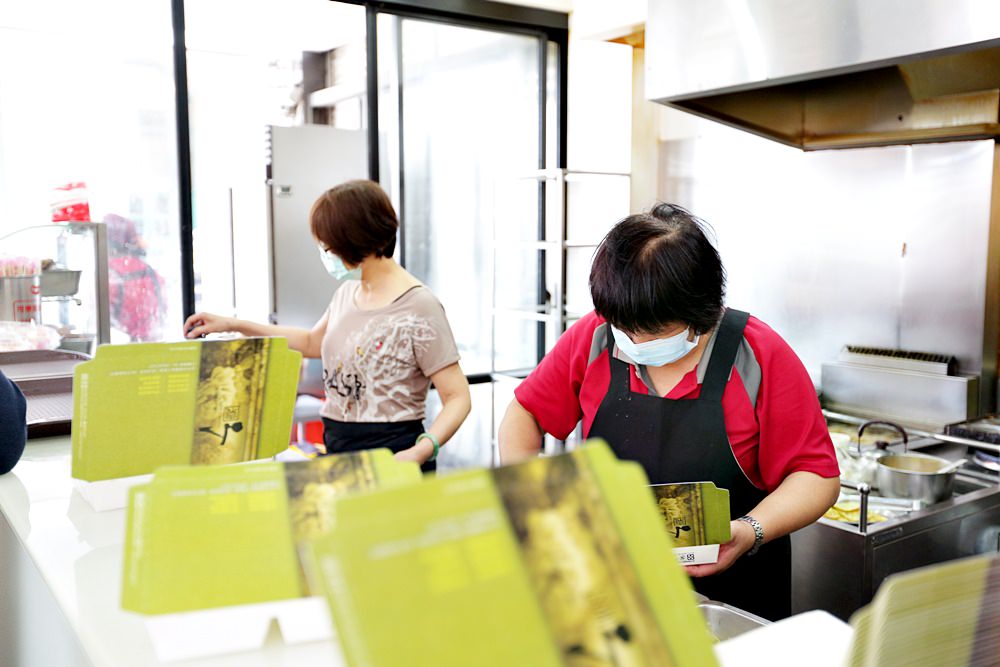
column 548, row 26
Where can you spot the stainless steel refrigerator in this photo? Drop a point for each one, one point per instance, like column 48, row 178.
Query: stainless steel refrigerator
column 305, row 161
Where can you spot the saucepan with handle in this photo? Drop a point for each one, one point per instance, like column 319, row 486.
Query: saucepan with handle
column 917, row 476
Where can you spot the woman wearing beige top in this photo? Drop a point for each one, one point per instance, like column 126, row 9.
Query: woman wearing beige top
column 383, row 339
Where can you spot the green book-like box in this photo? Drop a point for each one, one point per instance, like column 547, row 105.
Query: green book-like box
column 141, row 406
column 696, row 515
column 945, row 614
column 556, row 561
column 213, row 536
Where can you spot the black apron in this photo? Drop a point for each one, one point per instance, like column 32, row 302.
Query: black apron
column 686, row 441
column 340, row 437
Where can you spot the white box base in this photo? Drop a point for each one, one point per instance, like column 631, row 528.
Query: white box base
column 208, row 632
column 699, row 555
column 112, row 494
column 109, row 494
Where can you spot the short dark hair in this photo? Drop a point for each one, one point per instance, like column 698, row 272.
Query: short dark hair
column 355, row 220
column 657, row 268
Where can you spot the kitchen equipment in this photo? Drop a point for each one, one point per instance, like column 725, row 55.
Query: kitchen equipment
column 988, row 461
column 916, row 476
column 725, row 622
column 861, row 466
column 915, row 388
column 20, row 299
column 903, row 360
column 984, row 429
column 838, row 566
column 953, row 466
column 303, row 162
column 60, row 282
column 893, row 72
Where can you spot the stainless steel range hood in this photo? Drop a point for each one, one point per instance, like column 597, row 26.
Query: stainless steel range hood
column 831, row 73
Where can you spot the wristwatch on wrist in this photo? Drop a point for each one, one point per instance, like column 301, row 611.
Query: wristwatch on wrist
column 758, row 533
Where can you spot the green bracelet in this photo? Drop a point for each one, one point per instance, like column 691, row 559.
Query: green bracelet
column 434, row 441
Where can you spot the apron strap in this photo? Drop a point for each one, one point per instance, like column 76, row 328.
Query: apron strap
column 621, row 383
column 727, row 344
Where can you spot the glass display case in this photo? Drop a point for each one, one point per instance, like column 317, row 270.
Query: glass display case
column 74, row 289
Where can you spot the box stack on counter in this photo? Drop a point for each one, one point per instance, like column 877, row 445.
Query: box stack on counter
column 563, row 560
column 557, row 561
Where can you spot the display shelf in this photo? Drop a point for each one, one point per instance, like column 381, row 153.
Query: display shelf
column 78, row 246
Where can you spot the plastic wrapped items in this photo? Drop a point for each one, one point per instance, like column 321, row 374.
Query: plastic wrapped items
column 17, row 336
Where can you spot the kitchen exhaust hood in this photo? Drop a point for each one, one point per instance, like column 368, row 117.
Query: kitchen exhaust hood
column 831, row 73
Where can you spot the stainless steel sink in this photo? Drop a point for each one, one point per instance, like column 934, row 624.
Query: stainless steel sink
column 725, row 622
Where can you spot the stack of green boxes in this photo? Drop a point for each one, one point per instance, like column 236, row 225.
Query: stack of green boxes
column 556, row 561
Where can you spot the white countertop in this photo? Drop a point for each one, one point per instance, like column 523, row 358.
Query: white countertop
column 79, row 555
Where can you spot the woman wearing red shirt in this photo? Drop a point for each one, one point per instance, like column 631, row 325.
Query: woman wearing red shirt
column 693, row 391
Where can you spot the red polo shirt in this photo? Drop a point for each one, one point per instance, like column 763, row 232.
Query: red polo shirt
column 772, row 414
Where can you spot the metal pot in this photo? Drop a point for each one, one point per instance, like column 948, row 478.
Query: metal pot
column 862, row 466
column 914, row 476
column 20, row 298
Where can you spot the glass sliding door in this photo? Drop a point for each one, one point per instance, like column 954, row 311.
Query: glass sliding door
column 460, row 127
column 465, row 106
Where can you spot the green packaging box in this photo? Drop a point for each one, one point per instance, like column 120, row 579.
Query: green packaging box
column 200, row 537
column 141, row 406
column 556, row 561
column 697, row 518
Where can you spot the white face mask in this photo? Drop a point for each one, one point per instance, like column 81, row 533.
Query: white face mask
column 658, row 352
column 335, row 266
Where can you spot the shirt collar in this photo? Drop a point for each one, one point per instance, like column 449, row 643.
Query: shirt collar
column 700, row 370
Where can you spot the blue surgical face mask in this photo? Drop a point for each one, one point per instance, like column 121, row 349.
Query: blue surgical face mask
column 335, row 266
column 659, row 352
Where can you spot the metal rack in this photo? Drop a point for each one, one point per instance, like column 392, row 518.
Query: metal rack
column 553, row 245
column 558, row 235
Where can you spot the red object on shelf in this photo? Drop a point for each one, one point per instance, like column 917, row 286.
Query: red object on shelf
column 70, row 203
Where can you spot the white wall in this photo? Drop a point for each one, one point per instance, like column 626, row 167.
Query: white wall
column 600, row 104
column 607, row 19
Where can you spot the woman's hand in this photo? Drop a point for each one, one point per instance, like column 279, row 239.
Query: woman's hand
column 742, row 541
column 798, row 501
column 418, row 453
column 201, row 324
column 307, row 341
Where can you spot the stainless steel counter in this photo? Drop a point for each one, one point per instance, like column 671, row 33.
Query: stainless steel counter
column 726, row 622
column 837, row 568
